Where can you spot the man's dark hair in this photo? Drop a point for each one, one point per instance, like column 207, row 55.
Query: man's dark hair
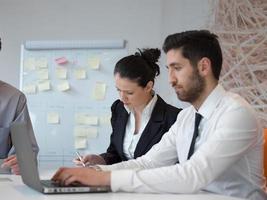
column 195, row 45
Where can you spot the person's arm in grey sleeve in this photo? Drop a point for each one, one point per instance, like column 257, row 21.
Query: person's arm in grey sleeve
column 22, row 116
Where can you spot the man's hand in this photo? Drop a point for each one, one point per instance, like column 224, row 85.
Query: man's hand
column 86, row 176
column 11, row 162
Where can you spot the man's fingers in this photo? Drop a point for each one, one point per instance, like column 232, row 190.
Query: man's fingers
column 62, row 178
column 57, row 174
column 70, row 180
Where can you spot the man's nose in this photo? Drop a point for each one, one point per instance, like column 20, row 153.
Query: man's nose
column 171, row 76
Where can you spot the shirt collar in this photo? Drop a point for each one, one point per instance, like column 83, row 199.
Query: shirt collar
column 211, row 102
column 148, row 108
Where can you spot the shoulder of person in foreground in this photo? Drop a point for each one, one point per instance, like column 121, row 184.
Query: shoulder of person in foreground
column 8, row 91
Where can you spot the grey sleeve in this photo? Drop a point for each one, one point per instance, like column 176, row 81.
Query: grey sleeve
column 22, row 116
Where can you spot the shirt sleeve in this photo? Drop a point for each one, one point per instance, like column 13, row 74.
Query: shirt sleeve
column 22, row 116
column 161, row 154
column 235, row 134
column 111, row 155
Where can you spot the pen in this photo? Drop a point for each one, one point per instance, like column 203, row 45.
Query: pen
column 80, row 158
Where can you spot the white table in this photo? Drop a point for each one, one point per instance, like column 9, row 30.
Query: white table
column 12, row 188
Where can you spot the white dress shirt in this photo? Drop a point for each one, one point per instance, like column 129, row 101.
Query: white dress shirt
column 228, row 157
column 131, row 138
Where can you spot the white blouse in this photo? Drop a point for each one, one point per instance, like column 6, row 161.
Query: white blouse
column 131, row 139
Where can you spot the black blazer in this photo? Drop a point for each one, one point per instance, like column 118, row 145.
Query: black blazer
column 162, row 118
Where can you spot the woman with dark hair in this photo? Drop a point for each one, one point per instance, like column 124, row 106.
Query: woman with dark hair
column 140, row 118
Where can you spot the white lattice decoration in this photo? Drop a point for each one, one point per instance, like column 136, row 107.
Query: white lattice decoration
column 242, row 28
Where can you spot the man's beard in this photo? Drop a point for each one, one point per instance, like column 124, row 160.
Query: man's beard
column 196, row 88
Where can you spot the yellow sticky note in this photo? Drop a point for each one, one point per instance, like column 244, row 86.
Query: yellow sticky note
column 80, row 142
column 80, row 74
column 89, row 132
column 52, row 118
column 99, row 91
column 94, row 63
column 29, row 89
column 81, row 118
column 92, row 132
column 29, row 64
column 41, row 63
column 61, row 73
column 42, row 74
column 44, row 86
column 80, row 131
column 91, row 120
column 105, row 120
column 63, row 86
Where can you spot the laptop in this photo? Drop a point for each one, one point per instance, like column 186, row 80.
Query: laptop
column 29, row 170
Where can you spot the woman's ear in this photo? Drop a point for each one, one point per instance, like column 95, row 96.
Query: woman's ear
column 149, row 86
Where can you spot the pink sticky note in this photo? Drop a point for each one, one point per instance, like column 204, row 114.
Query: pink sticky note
column 61, row 60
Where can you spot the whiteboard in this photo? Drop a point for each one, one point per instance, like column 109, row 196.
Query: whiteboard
column 69, row 88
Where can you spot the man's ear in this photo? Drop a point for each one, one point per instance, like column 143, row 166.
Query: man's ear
column 204, row 66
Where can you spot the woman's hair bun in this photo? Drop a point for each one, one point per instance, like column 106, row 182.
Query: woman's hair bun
column 150, row 55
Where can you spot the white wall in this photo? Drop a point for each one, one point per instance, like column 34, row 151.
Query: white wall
column 177, row 16
column 143, row 23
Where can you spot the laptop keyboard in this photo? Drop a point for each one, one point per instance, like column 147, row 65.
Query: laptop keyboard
column 50, row 183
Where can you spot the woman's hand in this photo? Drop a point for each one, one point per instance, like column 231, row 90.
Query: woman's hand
column 90, row 159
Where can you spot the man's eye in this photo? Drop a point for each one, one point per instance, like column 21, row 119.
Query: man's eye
column 177, row 68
